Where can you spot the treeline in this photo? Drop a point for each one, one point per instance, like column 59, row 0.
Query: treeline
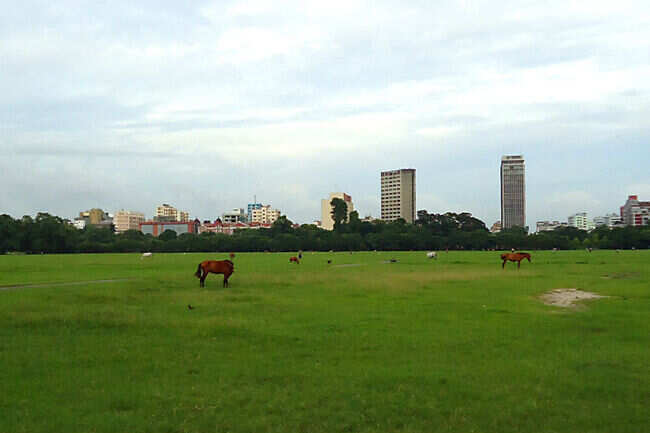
column 50, row 234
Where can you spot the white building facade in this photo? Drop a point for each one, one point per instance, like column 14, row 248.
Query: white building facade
column 581, row 221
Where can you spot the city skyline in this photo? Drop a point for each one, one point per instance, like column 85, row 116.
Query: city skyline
column 209, row 104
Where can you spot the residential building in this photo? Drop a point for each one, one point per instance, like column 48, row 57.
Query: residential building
column 635, row 212
column 94, row 217
column 155, row 228
column 264, row 215
column 398, row 195
column 513, row 191
column 250, row 208
column 581, row 221
column 236, row 215
column 127, row 220
column 327, row 222
column 168, row 213
column 549, row 226
column 609, row 220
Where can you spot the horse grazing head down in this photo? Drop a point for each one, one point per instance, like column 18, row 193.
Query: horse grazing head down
column 294, row 260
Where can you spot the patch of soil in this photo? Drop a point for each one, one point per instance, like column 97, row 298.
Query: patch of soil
column 567, row 298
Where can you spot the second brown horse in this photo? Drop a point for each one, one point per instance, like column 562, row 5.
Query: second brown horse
column 225, row 267
column 514, row 257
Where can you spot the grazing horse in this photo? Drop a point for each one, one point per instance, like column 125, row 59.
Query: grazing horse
column 225, row 267
column 432, row 255
column 295, row 260
column 514, row 257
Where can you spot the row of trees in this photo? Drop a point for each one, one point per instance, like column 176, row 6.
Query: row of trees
column 50, row 234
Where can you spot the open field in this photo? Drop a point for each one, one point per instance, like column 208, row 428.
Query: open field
column 453, row 345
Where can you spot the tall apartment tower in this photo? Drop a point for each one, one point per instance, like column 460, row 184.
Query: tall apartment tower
column 398, row 195
column 513, row 191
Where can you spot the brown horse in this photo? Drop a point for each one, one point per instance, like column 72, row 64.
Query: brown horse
column 514, row 257
column 225, row 267
column 294, row 260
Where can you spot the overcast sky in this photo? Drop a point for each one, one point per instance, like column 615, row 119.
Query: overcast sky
column 204, row 106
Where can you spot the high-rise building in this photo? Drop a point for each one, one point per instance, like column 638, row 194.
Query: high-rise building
column 398, row 195
column 327, row 222
column 635, row 212
column 513, row 191
column 127, row 220
column 265, row 215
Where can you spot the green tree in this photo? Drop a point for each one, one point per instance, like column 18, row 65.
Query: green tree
column 339, row 212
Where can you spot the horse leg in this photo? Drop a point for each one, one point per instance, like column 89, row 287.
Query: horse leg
column 203, row 277
column 518, row 264
column 225, row 280
column 503, row 265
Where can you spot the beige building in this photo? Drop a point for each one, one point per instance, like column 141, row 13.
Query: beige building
column 327, row 222
column 264, row 215
column 126, row 220
column 166, row 212
column 398, row 195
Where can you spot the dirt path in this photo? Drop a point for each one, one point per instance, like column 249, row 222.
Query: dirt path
column 72, row 283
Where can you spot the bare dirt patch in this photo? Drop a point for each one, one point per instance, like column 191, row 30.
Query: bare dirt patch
column 567, row 298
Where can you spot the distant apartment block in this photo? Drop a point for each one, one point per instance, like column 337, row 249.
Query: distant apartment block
column 635, row 212
column 549, row 226
column 168, row 213
column 250, row 208
column 327, row 222
column 127, row 220
column 155, row 228
column 236, row 215
column 398, row 195
column 264, row 215
column 94, row 217
column 581, row 221
column 609, row 220
column 513, row 191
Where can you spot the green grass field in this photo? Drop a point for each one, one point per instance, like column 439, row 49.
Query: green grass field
column 456, row 344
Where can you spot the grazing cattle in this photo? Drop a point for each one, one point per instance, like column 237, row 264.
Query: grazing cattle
column 225, row 267
column 294, row 260
column 146, row 255
column 432, row 255
column 514, row 257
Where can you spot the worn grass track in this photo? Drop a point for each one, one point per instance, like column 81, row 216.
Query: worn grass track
column 456, row 344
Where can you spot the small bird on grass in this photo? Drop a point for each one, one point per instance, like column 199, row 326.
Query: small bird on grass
column 189, row 307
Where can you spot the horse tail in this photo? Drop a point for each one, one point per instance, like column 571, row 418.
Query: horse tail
column 197, row 274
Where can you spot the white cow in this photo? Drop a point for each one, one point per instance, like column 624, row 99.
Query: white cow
column 146, row 255
column 432, row 255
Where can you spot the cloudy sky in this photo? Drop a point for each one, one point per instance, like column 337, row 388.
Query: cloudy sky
column 133, row 104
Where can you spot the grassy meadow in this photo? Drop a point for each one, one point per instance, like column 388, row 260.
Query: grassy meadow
column 106, row 343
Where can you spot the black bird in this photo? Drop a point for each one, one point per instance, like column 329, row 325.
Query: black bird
column 190, row 307
column 329, row 262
